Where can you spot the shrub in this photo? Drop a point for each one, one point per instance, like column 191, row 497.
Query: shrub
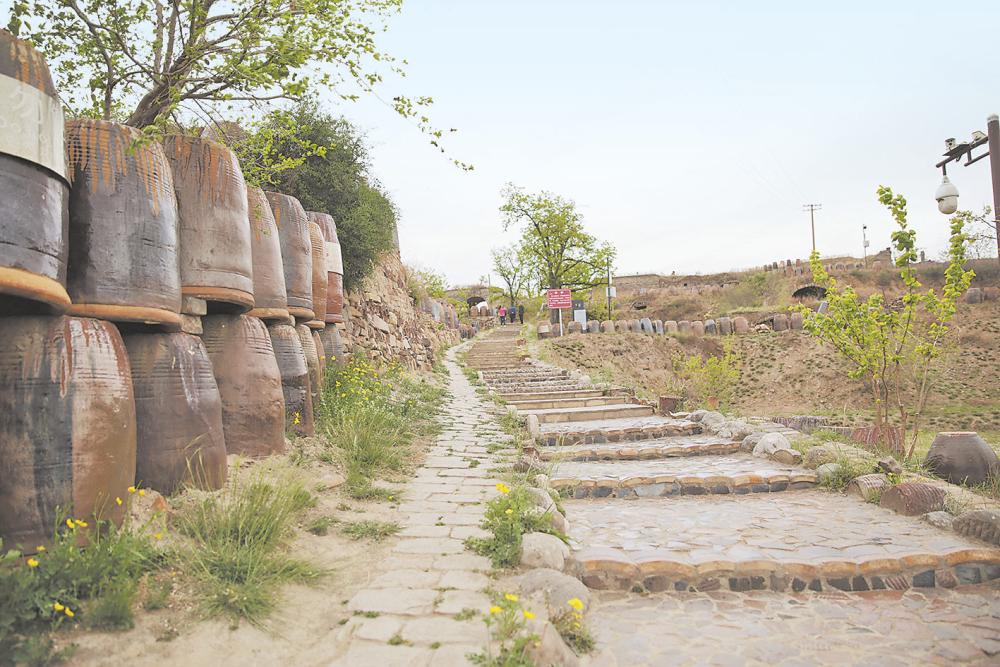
column 509, row 517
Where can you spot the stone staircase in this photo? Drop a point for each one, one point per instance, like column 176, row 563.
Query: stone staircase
column 655, row 504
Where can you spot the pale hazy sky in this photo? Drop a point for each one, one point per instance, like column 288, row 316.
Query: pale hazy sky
column 689, row 134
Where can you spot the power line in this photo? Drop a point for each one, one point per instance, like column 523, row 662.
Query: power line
column 812, row 208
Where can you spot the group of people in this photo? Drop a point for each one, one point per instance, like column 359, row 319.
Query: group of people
column 513, row 312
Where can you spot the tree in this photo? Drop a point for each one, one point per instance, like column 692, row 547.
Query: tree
column 554, row 247
column 981, row 232
column 143, row 61
column 509, row 263
column 338, row 182
column 895, row 351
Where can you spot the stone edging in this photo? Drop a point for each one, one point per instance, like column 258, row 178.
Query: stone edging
column 687, row 485
column 637, row 454
column 609, row 569
column 603, row 436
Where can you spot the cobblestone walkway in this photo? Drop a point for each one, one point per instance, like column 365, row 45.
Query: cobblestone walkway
column 431, row 577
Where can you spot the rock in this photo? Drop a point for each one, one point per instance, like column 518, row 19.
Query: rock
column 541, row 498
column 732, row 430
column 331, row 480
column 827, row 470
column 941, row 520
column 697, row 415
column 816, row 457
column 525, row 464
column 557, row 586
column 532, row 422
column 890, row 466
column 982, row 524
column 749, row 442
column 710, row 419
column 554, row 518
column 543, row 550
column 913, row 498
column 541, row 481
column 770, row 443
column 550, row 649
column 962, row 457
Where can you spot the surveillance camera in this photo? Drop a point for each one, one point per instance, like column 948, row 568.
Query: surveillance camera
column 947, row 197
column 949, row 144
column 978, row 136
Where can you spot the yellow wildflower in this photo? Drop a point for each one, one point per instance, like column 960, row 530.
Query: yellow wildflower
column 58, row 607
column 118, row 500
column 511, row 597
column 158, row 536
column 69, row 612
column 510, row 511
column 528, row 614
column 576, row 604
column 81, row 523
column 41, row 547
column 32, row 562
column 69, row 522
column 296, row 417
column 142, row 492
column 131, row 489
column 495, row 610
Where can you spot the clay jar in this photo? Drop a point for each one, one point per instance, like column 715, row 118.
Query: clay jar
column 294, row 379
column 123, row 262
column 68, row 432
column 245, row 369
column 178, row 413
column 269, row 297
column 296, row 253
column 961, row 457
column 216, row 258
column 34, row 185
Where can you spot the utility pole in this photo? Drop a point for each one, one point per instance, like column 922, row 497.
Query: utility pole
column 864, row 238
column 812, row 219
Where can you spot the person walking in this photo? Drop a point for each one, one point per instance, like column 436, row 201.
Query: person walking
column 520, row 312
column 503, row 315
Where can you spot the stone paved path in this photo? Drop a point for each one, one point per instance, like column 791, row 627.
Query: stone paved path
column 431, row 577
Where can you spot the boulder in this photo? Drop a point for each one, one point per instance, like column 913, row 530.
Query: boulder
column 962, row 457
column 559, row 588
column 550, row 649
column 540, row 481
column 553, row 518
column 749, row 442
column 942, row 520
column 788, row 457
column 828, row 470
column 697, row 415
column 532, row 423
column 734, row 430
column 890, row 466
column 543, row 550
column 769, row 444
column 710, row 419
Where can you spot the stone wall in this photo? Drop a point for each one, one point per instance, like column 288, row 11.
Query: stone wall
column 381, row 318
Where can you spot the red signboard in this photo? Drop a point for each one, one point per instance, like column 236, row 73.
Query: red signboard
column 559, row 298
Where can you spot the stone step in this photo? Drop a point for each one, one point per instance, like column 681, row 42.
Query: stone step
column 790, row 542
column 719, row 475
column 525, row 404
column 670, row 447
column 556, row 416
column 551, row 395
column 599, row 432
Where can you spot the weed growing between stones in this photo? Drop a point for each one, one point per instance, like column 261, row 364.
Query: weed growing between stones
column 88, row 574
column 506, row 623
column 573, row 629
column 509, row 516
column 376, row 531
column 239, row 535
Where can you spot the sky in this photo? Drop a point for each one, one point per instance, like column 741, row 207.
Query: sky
column 690, row 135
